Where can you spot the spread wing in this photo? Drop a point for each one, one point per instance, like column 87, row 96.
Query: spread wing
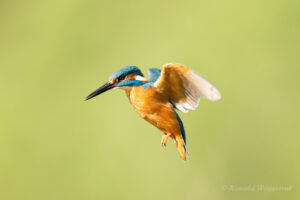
column 184, row 87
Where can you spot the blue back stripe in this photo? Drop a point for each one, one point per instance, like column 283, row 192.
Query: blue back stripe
column 154, row 74
column 181, row 128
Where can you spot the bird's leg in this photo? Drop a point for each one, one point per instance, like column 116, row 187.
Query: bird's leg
column 164, row 139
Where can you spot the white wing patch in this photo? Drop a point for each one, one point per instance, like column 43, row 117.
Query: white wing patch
column 185, row 107
column 196, row 87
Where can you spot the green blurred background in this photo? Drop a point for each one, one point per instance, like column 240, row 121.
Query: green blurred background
column 56, row 146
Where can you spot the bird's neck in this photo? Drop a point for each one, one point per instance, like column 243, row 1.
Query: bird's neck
column 128, row 91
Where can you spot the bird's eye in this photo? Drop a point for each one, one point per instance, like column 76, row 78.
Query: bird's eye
column 120, row 78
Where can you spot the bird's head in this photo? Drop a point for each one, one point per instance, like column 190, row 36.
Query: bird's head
column 130, row 76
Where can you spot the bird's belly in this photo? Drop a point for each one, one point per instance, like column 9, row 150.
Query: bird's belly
column 155, row 108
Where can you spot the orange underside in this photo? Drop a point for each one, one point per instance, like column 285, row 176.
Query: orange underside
column 153, row 106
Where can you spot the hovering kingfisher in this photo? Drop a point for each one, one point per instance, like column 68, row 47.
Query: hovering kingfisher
column 173, row 87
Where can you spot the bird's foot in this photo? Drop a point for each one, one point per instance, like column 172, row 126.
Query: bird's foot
column 164, row 139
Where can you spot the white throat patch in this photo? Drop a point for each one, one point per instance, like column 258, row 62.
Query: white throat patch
column 140, row 78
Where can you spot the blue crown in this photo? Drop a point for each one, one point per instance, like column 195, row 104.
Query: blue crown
column 126, row 71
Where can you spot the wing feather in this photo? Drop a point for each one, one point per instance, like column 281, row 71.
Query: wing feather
column 184, row 87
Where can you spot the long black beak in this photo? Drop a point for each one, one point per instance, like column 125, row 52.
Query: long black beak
column 100, row 90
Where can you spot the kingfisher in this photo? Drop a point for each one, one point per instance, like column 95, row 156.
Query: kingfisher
column 173, row 87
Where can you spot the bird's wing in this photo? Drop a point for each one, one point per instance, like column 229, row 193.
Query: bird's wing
column 184, row 87
column 153, row 74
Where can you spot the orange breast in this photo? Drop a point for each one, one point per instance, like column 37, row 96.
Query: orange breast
column 154, row 107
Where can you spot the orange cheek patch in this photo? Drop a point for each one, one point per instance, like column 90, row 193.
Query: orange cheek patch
column 131, row 77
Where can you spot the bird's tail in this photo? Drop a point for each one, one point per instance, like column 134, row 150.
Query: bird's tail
column 180, row 146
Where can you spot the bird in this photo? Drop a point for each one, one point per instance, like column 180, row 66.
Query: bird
column 171, row 88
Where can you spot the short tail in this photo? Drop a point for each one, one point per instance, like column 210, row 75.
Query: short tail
column 180, row 140
column 180, row 147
